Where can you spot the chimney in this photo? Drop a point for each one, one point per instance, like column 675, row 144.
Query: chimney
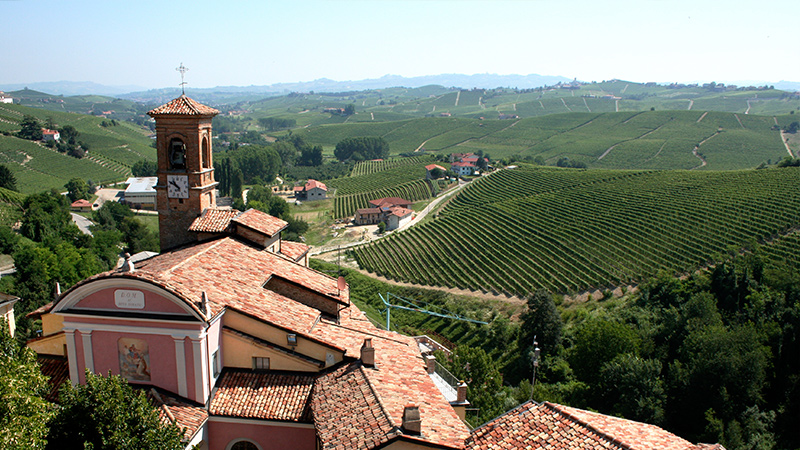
column 430, row 364
column 461, row 392
column 204, row 304
column 412, row 423
column 127, row 266
column 368, row 353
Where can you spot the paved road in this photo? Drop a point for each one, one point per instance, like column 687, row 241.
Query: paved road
column 83, row 223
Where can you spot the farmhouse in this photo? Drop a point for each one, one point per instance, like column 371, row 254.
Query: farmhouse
column 50, row 135
column 4, row 98
column 393, row 211
column 312, row 190
column 430, row 168
column 81, row 205
column 242, row 345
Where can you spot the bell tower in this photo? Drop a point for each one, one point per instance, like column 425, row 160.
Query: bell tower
column 186, row 183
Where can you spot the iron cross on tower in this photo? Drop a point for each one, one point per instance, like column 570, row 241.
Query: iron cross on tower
column 182, row 69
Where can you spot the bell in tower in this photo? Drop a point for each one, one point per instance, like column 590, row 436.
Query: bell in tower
column 185, row 170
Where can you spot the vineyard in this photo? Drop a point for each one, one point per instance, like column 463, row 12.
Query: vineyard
column 569, row 230
column 346, row 205
column 370, row 167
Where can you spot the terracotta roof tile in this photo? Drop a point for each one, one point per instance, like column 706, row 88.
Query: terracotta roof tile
column 430, row 167
column 214, row 220
column 294, row 250
column 187, row 415
column 553, row 426
column 261, row 221
column 390, row 201
column 56, row 368
column 347, row 413
column 311, row 184
column 399, row 211
column 263, row 395
column 183, row 106
column 80, row 203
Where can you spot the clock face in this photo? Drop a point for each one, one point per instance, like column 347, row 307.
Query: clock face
column 178, row 186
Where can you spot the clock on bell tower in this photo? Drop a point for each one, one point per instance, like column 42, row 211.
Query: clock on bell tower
column 186, row 182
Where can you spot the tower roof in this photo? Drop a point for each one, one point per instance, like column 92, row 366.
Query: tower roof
column 183, row 106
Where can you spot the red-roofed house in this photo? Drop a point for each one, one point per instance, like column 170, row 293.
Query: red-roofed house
column 312, row 190
column 50, row 135
column 392, row 211
column 430, row 168
column 234, row 338
column 81, row 205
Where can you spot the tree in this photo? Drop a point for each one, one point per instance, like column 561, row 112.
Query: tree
column 24, row 412
column 144, row 168
column 69, row 134
column 77, row 189
column 542, row 320
column 31, row 129
column 46, row 215
column 7, row 178
column 350, row 109
column 633, row 388
column 310, row 156
column 597, row 342
column 105, row 414
column 381, row 227
column 361, row 148
column 484, row 381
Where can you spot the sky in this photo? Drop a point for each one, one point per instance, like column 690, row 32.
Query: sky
column 241, row 43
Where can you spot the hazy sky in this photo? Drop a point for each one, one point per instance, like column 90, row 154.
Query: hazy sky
column 141, row 42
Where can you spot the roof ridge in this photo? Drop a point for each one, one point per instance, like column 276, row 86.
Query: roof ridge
column 194, row 256
column 576, row 419
column 395, row 429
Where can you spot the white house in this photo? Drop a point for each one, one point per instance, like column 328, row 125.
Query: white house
column 141, row 193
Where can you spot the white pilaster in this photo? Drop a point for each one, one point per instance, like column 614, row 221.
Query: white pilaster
column 180, row 363
column 88, row 355
column 72, row 356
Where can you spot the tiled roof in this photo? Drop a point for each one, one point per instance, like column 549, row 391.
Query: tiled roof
column 462, row 164
column 37, row 313
column 261, row 221
column 263, row 395
column 399, row 211
column 390, row 201
column 347, row 413
column 294, row 250
column 430, row 167
column 214, row 220
column 311, row 184
column 183, row 106
column 56, row 368
column 187, row 415
column 557, row 427
column 232, row 272
column 364, row 211
column 80, row 203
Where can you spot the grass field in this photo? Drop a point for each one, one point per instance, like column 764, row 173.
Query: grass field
column 112, row 150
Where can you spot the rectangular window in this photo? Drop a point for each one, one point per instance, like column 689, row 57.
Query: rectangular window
column 215, row 363
column 260, row 363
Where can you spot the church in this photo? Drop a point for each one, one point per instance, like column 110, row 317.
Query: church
column 244, row 346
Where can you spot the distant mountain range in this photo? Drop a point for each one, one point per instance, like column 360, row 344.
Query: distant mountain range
column 487, row 80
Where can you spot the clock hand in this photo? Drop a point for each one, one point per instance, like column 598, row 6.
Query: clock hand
column 172, row 182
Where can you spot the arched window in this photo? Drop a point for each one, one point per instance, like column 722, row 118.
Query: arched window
column 244, row 445
column 177, row 154
column 206, row 152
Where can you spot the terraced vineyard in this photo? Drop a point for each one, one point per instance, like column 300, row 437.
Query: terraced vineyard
column 413, row 191
column 370, row 167
column 786, row 250
column 569, row 230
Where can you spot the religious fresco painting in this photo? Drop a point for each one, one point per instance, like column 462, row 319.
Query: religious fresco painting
column 134, row 359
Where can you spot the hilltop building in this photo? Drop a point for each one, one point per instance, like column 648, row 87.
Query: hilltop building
column 312, row 190
column 5, row 98
column 234, row 336
column 50, row 135
column 245, row 347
